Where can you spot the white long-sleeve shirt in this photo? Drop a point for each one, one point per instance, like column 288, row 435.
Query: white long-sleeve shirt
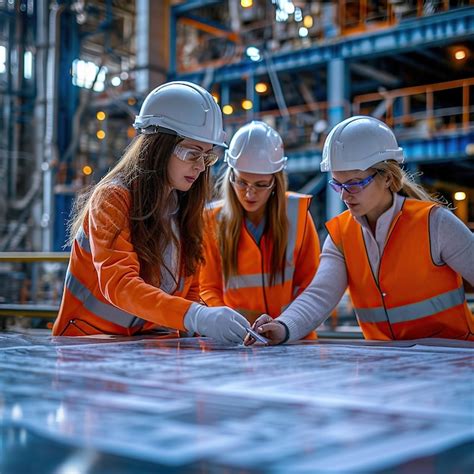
column 452, row 243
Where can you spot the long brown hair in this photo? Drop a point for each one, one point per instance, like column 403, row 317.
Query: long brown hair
column 403, row 183
column 231, row 220
column 143, row 170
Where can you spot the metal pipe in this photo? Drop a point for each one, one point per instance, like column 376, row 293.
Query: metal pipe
column 51, row 154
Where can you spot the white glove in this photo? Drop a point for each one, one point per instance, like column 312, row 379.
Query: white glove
column 220, row 323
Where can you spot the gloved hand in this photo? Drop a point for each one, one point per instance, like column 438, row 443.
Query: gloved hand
column 220, row 323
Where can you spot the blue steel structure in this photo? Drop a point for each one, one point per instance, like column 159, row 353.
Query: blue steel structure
column 409, row 35
column 336, row 55
column 68, row 101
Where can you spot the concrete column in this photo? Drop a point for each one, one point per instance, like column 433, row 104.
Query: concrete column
column 152, row 37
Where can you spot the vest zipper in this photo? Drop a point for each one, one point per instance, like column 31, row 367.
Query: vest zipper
column 377, row 281
column 262, row 266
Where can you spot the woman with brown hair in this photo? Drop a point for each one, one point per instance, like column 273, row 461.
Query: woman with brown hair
column 261, row 246
column 137, row 236
column 402, row 254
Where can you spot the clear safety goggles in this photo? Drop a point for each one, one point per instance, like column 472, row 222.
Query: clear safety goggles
column 242, row 185
column 193, row 156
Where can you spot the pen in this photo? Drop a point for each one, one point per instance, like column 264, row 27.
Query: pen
column 257, row 336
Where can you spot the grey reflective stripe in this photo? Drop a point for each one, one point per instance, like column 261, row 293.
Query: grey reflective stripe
column 237, row 282
column 371, row 315
column 102, row 310
column 180, row 284
column 295, row 290
column 292, row 214
column 83, row 241
column 411, row 312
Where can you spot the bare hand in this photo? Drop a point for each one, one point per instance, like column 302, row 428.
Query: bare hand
column 264, row 325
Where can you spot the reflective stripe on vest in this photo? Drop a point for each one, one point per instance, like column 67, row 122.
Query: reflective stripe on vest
column 102, row 310
column 411, row 312
column 84, row 243
column 237, row 282
column 180, row 287
column 83, row 240
column 292, row 213
column 254, row 280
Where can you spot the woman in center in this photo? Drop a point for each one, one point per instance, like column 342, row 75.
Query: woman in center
column 261, row 248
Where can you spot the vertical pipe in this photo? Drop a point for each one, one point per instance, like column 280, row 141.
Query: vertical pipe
column 337, row 85
column 8, row 109
column 465, row 107
column 429, row 110
column 172, row 68
column 18, row 49
column 250, row 95
column 51, row 149
column 406, row 110
column 152, row 43
column 40, row 109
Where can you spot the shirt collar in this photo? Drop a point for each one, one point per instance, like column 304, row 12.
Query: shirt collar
column 388, row 215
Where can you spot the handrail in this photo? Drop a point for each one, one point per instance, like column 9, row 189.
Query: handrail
column 30, row 310
column 34, row 256
column 389, row 97
column 34, row 310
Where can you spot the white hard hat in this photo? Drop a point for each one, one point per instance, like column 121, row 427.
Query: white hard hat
column 256, row 148
column 358, row 143
column 184, row 107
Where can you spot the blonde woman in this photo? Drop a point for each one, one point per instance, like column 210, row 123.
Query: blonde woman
column 137, row 237
column 261, row 246
column 401, row 253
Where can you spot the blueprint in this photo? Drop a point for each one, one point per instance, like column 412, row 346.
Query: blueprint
column 94, row 405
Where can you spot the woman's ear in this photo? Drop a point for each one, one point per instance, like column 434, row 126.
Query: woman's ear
column 387, row 179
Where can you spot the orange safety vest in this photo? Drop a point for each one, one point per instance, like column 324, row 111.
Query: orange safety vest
column 103, row 292
column 411, row 297
column 249, row 291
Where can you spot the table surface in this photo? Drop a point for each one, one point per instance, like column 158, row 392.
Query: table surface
column 127, row 405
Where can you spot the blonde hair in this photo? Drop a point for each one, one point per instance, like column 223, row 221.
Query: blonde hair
column 403, row 183
column 231, row 219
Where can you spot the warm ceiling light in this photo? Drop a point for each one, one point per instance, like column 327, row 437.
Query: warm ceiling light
column 100, row 115
column 131, row 101
column 308, row 21
column 460, row 196
column 246, row 3
column 247, row 104
column 460, row 54
column 261, row 87
column 100, row 134
column 87, row 170
column 227, row 109
column 131, row 132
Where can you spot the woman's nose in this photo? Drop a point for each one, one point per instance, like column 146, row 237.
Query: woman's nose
column 344, row 194
column 249, row 190
column 200, row 165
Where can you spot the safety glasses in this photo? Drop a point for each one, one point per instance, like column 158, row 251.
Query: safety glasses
column 351, row 188
column 242, row 185
column 193, row 156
